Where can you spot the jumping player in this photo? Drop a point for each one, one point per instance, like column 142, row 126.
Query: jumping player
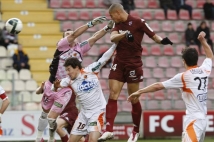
column 5, row 102
column 87, row 88
column 193, row 85
column 53, row 103
column 127, row 65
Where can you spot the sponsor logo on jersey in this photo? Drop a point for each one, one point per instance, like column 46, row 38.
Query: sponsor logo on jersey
column 87, row 86
column 121, row 31
column 83, row 43
column 58, row 104
column 96, row 67
column 130, row 23
column 202, row 97
column 92, row 124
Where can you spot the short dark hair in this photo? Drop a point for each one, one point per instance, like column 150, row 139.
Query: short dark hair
column 73, row 62
column 190, row 56
column 189, row 24
column 63, row 35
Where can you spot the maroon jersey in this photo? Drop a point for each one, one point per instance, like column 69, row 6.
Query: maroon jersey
column 132, row 51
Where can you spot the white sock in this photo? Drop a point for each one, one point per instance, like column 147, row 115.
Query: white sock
column 39, row 134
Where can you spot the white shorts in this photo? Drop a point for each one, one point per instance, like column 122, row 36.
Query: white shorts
column 84, row 125
column 1, row 90
column 194, row 129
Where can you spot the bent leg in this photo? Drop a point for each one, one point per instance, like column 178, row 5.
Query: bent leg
column 61, row 123
column 111, row 107
column 43, row 123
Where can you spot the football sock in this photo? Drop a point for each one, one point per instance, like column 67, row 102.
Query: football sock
column 111, row 112
column 136, row 116
column 64, row 138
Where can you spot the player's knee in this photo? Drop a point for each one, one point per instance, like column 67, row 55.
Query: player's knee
column 114, row 94
column 43, row 122
column 52, row 123
column 92, row 140
column 44, row 115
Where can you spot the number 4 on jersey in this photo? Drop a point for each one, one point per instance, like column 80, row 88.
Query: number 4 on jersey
column 113, row 67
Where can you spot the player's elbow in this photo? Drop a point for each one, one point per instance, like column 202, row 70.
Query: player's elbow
column 158, row 86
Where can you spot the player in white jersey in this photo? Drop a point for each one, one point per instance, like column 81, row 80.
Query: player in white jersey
column 5, row 103
column 86, row 85
column 193, row 85
column 53, row 103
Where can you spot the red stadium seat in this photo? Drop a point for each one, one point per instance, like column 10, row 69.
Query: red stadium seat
column 158, row 72
column 170, row 72
column 122, row 97
column 174, row 38
column 66, row 4
column 152, row 105
column 126, row 106
column 152, row 4
column 210, row 93
column 77, row 4
column 209, row 104
column 190, row 2
column 179, row 104
column 200, row 3
column 173, row 94
column 107, row 40
column 184, row 15
column 55, row 4
column 168, row 50
column 87, row 60
column 167, row 26
column 159, row 15
column 146, row 96
column 146, row 73
column 179, row 48
column 182, row 70
column 176, row 62
column 155, row 50
column 179, row 26
column 150, row 81
column 197, row 14
column 166, row 104
column 61, row 15
column 155, row 25
column 97, row 13
column 136, row 13
column 103, row 84
column 90, row 4
column 107, row 15
column 67, row 25
column 150, row 62
column 103, row 48
column 146, row 39
column 140, row 3
column 73, row 15
column 84, row 15
column 147, row 15
column 163, row 61
column 159, row 95
column 77, row 24
column 84, row 37
column 145, row 51
column 93, row 51
column 172, row 15
column 105, row 72
column 100, row 4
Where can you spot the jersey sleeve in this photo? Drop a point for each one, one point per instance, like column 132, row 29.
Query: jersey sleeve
column 1, row 90
column 65, row 82
column 146, row 29
column 175, row 82
column 96, row 66
column 83, row 47
column 63, row 44
column 207, row 66
column 3, row 96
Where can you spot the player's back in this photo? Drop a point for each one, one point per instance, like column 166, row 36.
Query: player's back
column 195, row 82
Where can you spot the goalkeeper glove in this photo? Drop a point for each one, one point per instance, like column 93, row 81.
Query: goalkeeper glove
column 95, row 21
column 109, row 26
column 129, row 36
column 166, row 41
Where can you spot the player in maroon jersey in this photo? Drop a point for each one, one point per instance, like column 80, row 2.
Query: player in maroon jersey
column 127, row 65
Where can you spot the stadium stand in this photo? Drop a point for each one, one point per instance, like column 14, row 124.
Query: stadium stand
column 43, row 26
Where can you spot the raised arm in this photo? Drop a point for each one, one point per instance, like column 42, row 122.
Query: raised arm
column 99, row 34
column 40, row 90
column 207, row 49
column 116, row 36
column 83, row 28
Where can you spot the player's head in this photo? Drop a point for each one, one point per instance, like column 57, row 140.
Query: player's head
column 73, row 67
column 19, row 47
column 203, row 25
column 190, row 26
column 190, row 56
column 67, row 33
column 117, row 12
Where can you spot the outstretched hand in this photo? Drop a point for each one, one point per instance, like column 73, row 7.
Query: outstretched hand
column 201, row 35
column 166, row 41
column 134, row 96
column 95, row 21
column 109, row 26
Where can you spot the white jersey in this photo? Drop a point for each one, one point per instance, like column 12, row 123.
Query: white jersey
column 193, row 85
column 87, row 86
column 2, row 92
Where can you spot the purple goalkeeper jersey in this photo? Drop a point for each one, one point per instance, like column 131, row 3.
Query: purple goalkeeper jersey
column 63, row 52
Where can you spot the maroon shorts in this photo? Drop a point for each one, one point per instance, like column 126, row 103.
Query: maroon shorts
column 69, row 115
column 131, row 72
